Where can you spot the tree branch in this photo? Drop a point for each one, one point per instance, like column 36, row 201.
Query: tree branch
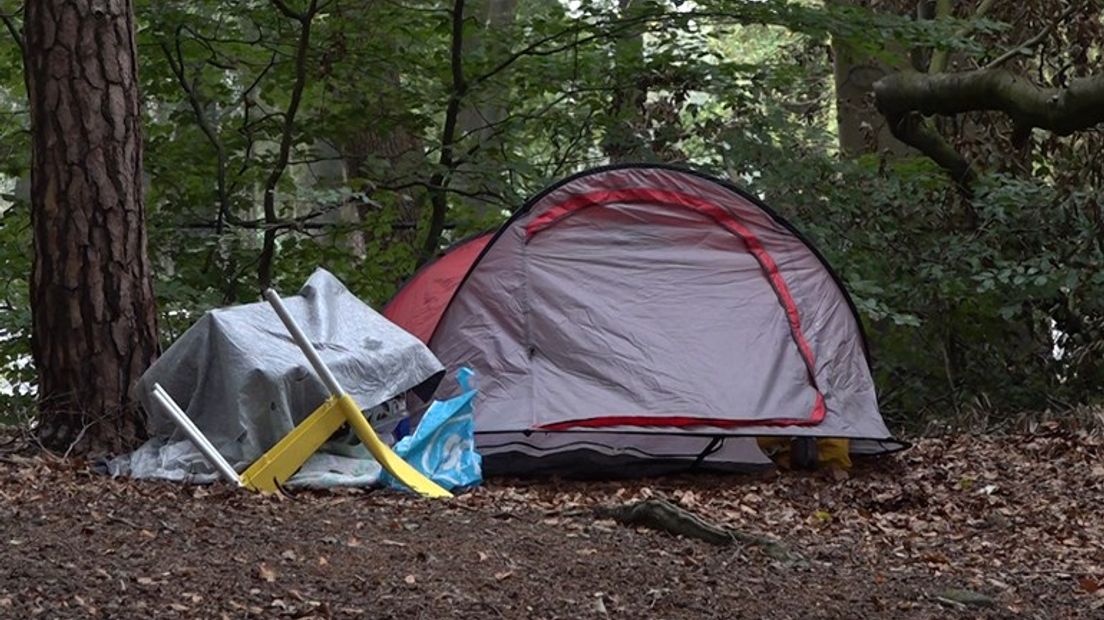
column 176, row 65
column 287, row 138
column 1063, row 110
column 662, row 515
column 1035, row 40
column 287, row 10
column 13, row 29
column 913, row 130
column 445, row 163
column 905, row 98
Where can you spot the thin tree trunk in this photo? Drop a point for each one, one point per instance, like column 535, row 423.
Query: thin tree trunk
column 861, row 129
column 480, row 118
column 622, row 141
column 446, row 163
column 93, row 313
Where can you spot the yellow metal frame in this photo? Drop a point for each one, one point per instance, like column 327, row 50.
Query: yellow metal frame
column 281, row 461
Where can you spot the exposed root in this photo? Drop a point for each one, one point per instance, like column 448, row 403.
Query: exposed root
column 664, row 516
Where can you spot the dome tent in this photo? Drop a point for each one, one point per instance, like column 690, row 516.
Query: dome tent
column 644, row 318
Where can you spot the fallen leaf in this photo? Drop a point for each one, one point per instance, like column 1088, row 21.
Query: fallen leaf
column 1089, row 584
column 322, row 561
column 503, row 575
column 144, row 581
column 266, row 573
column 936, row 558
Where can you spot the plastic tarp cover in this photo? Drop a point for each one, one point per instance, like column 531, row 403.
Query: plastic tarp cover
column 442, row 447
column 240, row 377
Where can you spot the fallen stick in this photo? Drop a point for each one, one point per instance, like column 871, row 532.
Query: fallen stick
column 658, row 514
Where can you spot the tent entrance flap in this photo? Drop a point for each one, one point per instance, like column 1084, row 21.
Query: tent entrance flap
column 603, row 354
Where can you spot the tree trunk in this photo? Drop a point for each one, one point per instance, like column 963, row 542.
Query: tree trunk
column 484, row 111
column 622, row 141
column 93, row 315
column 861, row 129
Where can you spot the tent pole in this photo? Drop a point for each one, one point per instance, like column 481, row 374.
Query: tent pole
column 301, row 339
column 195, row 435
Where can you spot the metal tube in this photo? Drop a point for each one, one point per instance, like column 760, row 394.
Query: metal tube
column 301, row 339
column 198, row 439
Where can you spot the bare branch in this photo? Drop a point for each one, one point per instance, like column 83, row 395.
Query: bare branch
column 445, row 163
column 536, row 48
column 904, row 98
column 287, row 138
column 943, row 9
column 913, row 130
column 1063, row 110
column 14, row 30
column 175, row 57
column 1035, row 40
column 287, row 10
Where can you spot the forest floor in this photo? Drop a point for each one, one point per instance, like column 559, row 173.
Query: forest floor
column 957, row 527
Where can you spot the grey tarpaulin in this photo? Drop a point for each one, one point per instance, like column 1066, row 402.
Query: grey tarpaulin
column 243, row 381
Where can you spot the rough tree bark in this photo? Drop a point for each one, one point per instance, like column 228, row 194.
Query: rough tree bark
column 93, row 314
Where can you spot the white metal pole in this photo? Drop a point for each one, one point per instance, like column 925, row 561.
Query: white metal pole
column 198, row 439
column 301, row 339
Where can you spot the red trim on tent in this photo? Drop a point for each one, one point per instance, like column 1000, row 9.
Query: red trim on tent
column 725, row 219
column 819, row 410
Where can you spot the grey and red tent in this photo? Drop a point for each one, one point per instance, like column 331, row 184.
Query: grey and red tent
column 646, row 316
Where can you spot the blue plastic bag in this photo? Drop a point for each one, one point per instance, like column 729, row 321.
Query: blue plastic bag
column 442, row 447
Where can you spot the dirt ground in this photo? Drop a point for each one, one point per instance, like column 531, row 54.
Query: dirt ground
column 1016, row 522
